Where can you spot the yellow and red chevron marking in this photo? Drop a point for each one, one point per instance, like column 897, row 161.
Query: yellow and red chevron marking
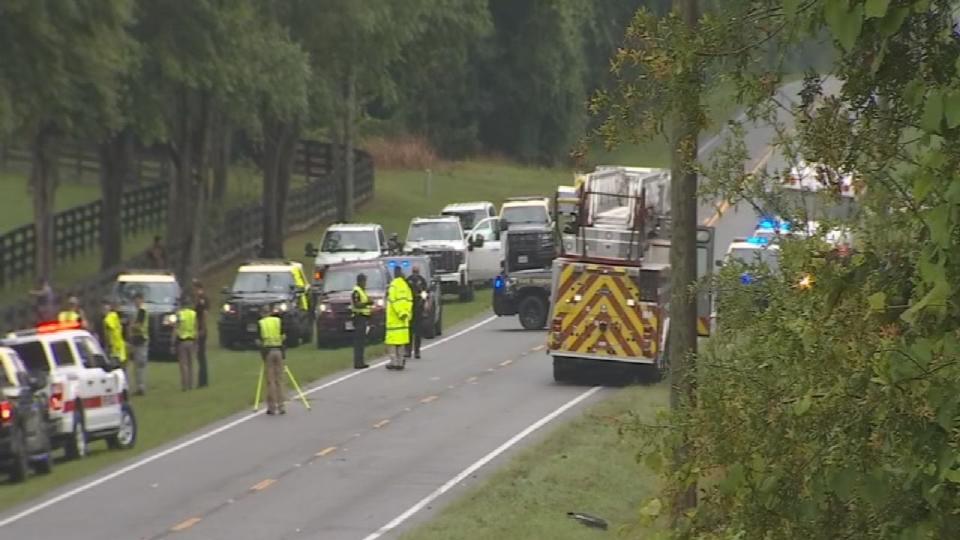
column 703, row 326
column 591, row 313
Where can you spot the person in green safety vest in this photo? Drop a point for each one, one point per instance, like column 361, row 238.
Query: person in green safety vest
column 399, row 313
column 72, row 313
column 186, row 342
column 360, row 309
column 115, row 344
column 271, row 341
column 140, row 342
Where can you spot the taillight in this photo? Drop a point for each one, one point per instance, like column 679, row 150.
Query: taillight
column 56, row 396
column 318, row 275
column 6, row 411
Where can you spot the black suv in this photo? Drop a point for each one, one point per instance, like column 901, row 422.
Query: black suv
column 161, row 295
column 432, row 323
column 26, row 430
column 278, row 285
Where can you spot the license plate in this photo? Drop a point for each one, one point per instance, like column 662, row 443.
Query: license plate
column 523, row 259
column 252, row 327
column 348, row 326
column 110, row 399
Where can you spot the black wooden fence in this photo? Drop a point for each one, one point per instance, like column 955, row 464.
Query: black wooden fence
column 237, row 233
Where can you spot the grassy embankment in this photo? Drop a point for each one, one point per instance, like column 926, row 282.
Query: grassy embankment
column 166, row 413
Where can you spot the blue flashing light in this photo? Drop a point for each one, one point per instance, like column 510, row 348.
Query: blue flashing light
column 392, row 264
column 406, row 264
column 771, row 224
column 498, row 282
column 758, row 240
column 767, row 223
column 746, row 278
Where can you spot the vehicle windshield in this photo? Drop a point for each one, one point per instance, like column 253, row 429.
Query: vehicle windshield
column 769, row 257
column 33, row 356
column 343, row 279
column 525, row 214
column 337, row 241
column 153, row 293
column 263, row 282
column 468, row 218
column 434, row 230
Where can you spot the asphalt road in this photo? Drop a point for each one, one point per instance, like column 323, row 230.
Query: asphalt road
column 379, row 452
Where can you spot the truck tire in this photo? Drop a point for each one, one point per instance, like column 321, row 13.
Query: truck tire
column 429, row 329
column 76, row 446
column 439, row 327
column 532, row 312
column 126, row 436
column 562, row 370
column 44, row 464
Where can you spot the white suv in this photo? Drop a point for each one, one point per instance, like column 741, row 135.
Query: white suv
column 347, row 242
column 88, row 395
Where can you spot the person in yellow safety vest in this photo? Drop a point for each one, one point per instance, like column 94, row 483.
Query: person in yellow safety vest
column 271, row 340
column 140, row 341
column 115, row 344
column 186, row 342
column 72, row 313
column 360, row 309
column 399, row 313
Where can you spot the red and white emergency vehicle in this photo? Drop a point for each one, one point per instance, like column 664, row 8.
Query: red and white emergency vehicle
column 87, row 391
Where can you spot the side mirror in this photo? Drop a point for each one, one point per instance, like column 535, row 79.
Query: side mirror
column 226, row 291
column 718, row 263
column 477, row 241
column 310, row 250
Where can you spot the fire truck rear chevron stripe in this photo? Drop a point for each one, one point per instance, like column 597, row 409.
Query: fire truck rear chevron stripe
column 703, row 326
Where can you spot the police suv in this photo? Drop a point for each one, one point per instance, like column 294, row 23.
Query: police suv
column 275, row 284
column 88, row 392
column 161, row 295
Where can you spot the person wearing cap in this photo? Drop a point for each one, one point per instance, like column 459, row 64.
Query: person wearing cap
column 399, row 311
column 116, row 345
column 72, row 313
column 418, row 286
column 201, row 305
column 360, row 309
column 140, row 343
column 271, row 350
column 186, row 342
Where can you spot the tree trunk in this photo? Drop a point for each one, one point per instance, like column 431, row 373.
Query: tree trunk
column 200, row 185
column 337, row 155
column 683, row 250
column 221, row 164
column 116, row 168
column 269, row 166
column 349, row 177
column 43, row 180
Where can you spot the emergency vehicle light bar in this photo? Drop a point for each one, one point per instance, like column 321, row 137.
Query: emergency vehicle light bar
column 57, row 326
column 758, row 240
column 772, row 224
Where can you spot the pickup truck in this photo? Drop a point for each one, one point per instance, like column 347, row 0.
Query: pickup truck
column 523, row 286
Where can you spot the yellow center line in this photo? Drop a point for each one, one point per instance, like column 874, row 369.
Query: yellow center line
column 725, row 204
column 506, row 363
column 428, row 399
column 381, row 423
column 327, row 451
column 263, row 485
column 185, row 524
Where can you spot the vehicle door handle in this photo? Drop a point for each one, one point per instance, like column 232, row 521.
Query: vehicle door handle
column 104, row 381
column 90, row 382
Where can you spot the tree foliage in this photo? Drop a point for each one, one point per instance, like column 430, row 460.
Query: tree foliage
column 830, row 411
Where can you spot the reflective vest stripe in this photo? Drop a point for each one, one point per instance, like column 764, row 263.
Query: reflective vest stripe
column 364, row 307
column 140, row 329
column 186, row 324
column 271, row 332
column 68, row 316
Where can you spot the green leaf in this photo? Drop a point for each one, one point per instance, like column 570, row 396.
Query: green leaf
column 876, row 8
column 653, row 461
column 845, row 23
column 922, row 185
column 951, row 108
column 736, row 474
column 790, row 6
column 932, row 111
column 892, row 22
column 877, row 301
column 938, row 219
column 913, row 91
column 953, row 475
column 803, row 405
column 652, row 508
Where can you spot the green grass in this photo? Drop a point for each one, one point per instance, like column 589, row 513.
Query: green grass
column 583, row 466
column 16, row 205
column 166, row 413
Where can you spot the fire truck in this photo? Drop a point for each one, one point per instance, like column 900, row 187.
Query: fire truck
column 610, row 285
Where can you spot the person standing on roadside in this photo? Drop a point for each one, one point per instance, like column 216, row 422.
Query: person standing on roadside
column 115, row 343
column 201, row 306
column 140, row 341
column 399, row 311
column 186, row 342
column 418, row 288
column 360, row 309
column 72, row 313
column 45, row 301
column 271, row 350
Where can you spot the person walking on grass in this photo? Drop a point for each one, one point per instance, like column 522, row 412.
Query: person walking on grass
column 186, row 343
column 399, row 313
column 114, row 340
column 140, row 343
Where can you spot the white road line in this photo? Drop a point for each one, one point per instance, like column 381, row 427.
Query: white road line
column 397, row 521
column 204, row 436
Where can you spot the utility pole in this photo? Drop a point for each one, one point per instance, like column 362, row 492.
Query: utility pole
column 683, row 239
